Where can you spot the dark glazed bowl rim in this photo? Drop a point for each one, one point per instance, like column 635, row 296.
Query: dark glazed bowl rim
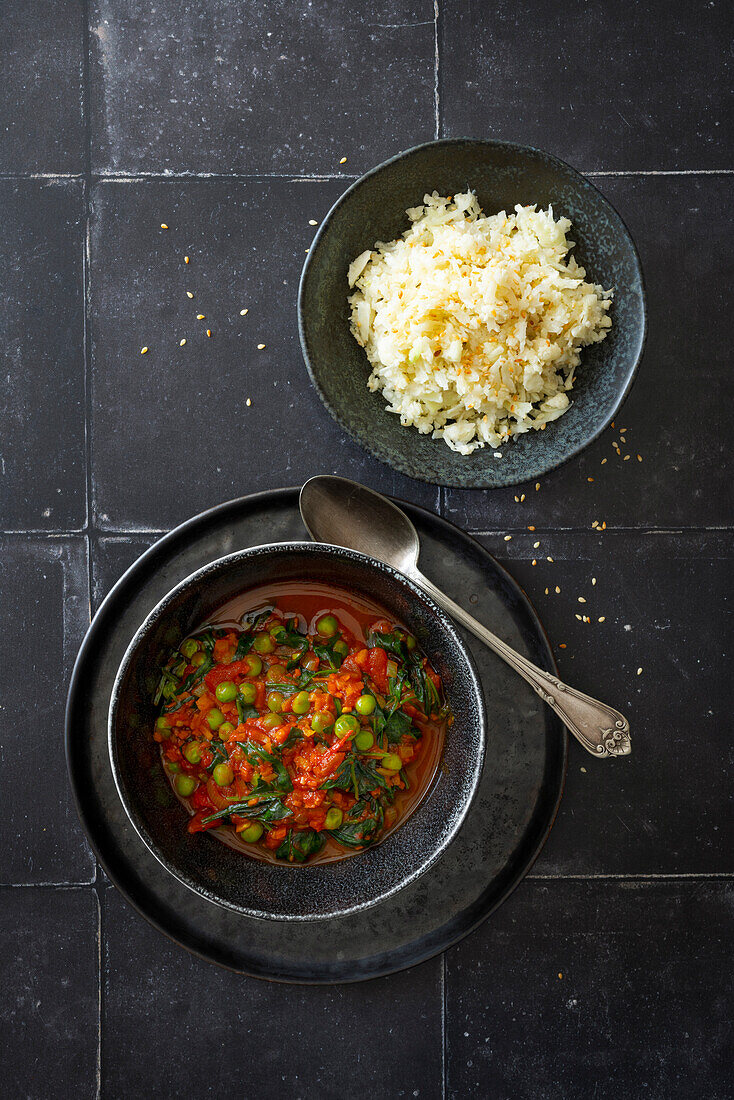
column 199, row 575
column 396, row 460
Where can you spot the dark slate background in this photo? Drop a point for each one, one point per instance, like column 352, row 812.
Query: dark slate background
column 608, row 973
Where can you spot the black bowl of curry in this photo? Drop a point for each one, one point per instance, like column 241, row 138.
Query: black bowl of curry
column 296, row 731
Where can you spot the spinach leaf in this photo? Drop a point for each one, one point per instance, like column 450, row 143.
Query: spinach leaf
column 197, row 675
column 257, row 755
column 356, row 774
column 356, row 833
column 244, row 645
column 299, row 845
column 294, row 735
column 267, row 808
column 325, row 652
column 243, row 711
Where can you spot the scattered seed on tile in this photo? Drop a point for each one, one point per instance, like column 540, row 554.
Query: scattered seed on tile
column 581, row 599
column 549, row 559
column 546, row 591
column 531, row 528
column 534, row 561
column 312, row 221
column 517, row 500
column 189, row 294
column 181, row 343
column 200, row 317
column 558, row 589
column 537, row 486
column 602, row 618
column 163, row 225
column 595, row 523
column 589, row 479
column 243, row 313
column 507, row 538
column 603, row 461
column 144, row 351
column 593, row 580
column 248, row 402
column 186, row 260
column 639, row 671
column 626, row 458
column 536, row 545
column 579, row 618
column 260, row 347
column 343, row 160
column 208, row 332
column 562, row 645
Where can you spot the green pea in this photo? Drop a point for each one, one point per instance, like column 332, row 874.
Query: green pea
column 334, row 818
column 226, row 691
column 214, row 718
column 223, row 775
column 198, row 659
column 192, row 752
column 301, row 703
column 345, row 723
column 174, row 767
column 225, row 729
column 271, row 721
column 275, row 674
column 190, row 647
column 341, row 648
column 321, row 721
column 366, row 704
column 248, row 693
column 254, row 664
column 392, row 762
column 327, row 626
column 252, row 833
column 275, row 700
column 363, row 741
column 410, row 641
column 185, row 785
column 275, row 629
column 263, row 643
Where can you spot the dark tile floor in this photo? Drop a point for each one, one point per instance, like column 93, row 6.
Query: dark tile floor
column 607, row 973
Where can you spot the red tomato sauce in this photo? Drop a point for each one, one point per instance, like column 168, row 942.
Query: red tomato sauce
column 300, row 723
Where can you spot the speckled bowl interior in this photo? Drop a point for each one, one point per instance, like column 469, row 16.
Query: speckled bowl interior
column 502, row 174
column 204, row 863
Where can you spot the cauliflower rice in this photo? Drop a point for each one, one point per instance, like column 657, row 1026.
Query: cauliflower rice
column 473, row 324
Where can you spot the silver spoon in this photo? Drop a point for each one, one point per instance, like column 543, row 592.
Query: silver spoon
column 344, row 513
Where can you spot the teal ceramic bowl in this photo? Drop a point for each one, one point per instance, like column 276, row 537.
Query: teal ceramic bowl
column 502, row 174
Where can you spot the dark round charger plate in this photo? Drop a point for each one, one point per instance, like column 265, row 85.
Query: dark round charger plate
column 503, row 833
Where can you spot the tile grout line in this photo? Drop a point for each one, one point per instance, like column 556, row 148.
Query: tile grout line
column 322, row 177
column 475, row 532
column 436, row 100
column 444, row 1083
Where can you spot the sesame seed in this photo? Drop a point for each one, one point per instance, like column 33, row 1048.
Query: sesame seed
column 546, row 591
column 623, row 430
column 343, row 160
column 143, row 351
column 517, row 500
column 305, row 250
column 587, row 619
column 189, row 294
column 562, row 645
column 581, row 599
column 507, row 538
column 579, row 618
column 593, row 580
column 639, row 671
column 589, row 479
column 626, row 458
column 248, row 402
column 181, row 343
column 186, row 260
column 522, row 497
column 312, row 221
column 612, row 423
column 534, row 562
column 260, row 347
column 557, row 589
column 498, row 454
column 604, row 525
column 536, row 545
column 163, row 225
column 549, row 559
column 243, row 313
column 603, row 461
column 639, row 458
column 602, row 618
column 595, row 523
column 200, row 317
column 208, row 332
column 537, row 486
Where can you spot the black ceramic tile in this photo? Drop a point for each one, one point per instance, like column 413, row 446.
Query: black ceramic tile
column 171, row 430
column 380, row 1039
column 223, row 86
column 605, row 86
column 50, row 993
column 612, row 990
column 665, row 808
column 41, row 109
column 110, row 558
column 675, row 415
column 43, row 615
column 42, row 473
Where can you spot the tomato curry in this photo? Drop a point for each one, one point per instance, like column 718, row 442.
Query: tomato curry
column 305, row 728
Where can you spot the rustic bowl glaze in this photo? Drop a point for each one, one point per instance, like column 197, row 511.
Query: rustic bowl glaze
column 503, row 175
column 229, row 878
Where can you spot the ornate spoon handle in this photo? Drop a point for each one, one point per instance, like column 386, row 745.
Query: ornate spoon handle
column 602, row 730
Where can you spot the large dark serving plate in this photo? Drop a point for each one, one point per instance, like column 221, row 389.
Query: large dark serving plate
column 503, row 832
